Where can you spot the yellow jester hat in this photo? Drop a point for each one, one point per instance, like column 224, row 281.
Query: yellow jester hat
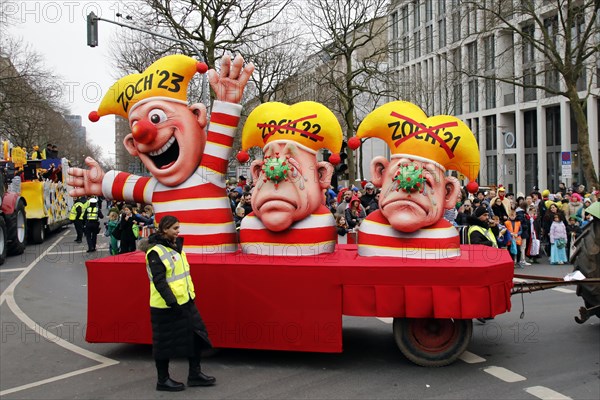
column 308, row 124
column 408, row 132
column 166, row 79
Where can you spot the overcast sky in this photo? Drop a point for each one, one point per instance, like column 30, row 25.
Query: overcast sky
column 57, row 30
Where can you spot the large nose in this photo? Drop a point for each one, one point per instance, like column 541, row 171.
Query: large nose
column 144, row 132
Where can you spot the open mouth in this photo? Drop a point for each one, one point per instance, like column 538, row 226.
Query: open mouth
column 167, row 155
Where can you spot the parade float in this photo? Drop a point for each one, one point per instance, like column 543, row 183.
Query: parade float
column 288, row 285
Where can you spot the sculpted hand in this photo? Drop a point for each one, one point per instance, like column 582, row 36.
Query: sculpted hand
column 86, row 182
column 230, row 83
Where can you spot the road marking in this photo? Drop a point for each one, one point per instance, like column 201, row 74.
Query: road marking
column 12, row 270
column 544, row 393
column 564, row 290
column 504, row 374
column 471, row 358
column 519, row 280
column 386, row 320
column 8, row 296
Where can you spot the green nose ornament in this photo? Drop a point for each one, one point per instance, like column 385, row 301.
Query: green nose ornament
column 276, row 169
column 410, row 179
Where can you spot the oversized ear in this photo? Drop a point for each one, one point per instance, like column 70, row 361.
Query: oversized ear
column 199, row 111
column 256, row 169
column 128, row 143
column 452, row 190
column 378, row 166
column 325, row 171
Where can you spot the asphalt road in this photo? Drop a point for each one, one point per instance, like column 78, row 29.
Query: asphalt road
column 44, row 355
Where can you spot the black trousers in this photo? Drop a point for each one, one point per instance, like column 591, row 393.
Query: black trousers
column 78, row 223
column 91, row 234
column 162, row 365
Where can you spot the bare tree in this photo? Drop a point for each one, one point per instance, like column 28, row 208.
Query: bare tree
column 559, row 42
column 351, row 36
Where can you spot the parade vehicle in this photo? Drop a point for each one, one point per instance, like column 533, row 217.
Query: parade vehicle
column 13, row 221
column 48, row 202
column 296, row 303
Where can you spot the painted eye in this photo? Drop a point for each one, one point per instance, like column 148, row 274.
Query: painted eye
column 156, row 116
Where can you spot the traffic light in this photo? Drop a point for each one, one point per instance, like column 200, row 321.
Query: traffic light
column 92, row 30
column 342, row 167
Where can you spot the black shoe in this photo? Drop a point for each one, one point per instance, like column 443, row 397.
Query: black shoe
column 77, row 241
column 169, row 385
column 89, row 250
column 200, row 379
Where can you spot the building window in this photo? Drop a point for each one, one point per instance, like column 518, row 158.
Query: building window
column 489, row 53
column 441, row 7
column 457, row 99
column 528, row 39
column 395, row 54
column 429, row 39
column 442, row 33
column 472, row 57
column 473, row 95
column 553, row 126
column 417, row 44
column 404, row 19
column 428, row 10
column 531, row 171
column 490, row 93
column 456, row 26
column 394, row 23
column 405, row 49
column 551, row 79
column 530, row 129
column 416, row 14
column 491, row 142
column 529, row 81
column 492, row 170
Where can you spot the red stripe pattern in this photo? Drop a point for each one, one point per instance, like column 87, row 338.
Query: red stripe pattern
column 320, row 237
column 424, row 239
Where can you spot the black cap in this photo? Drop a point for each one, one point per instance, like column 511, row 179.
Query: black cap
column 480, row 211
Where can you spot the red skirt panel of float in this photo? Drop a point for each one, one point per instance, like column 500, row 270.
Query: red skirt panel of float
column 297, row 303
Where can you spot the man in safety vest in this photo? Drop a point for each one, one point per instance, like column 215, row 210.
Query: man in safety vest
column 479, row 230
column 92, row 218
column 76, row 216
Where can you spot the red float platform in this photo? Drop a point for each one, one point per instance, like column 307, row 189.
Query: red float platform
column 297, row 303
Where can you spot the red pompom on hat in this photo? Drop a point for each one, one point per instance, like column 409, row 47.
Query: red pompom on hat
column 354, row 143
column 335, row 158
column 242, row 157
column 201, row 67
column 93, row 116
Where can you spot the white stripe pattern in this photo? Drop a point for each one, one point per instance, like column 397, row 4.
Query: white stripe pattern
column 128, row 187
column 224, row 130
column 227, row 108
column 427, row 254
column 314, row 221
column 217, row 150
column 107, row 184
column 202, row 176
column 375, row 228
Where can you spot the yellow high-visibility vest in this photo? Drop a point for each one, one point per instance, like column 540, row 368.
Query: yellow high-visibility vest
column 92, row 213
column 178, row 277
column 487, row 233
column 73, row 212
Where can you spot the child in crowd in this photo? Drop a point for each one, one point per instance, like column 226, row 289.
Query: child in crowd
column 341, row 225
column 533, row 240
column 573, row 231
column 514, row 245
column 558, row 241
column 111, row 225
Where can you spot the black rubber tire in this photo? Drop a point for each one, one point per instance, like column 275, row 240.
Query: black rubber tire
column 37, row 231
column 3, row 240
column 432, row 342
column 17, row 229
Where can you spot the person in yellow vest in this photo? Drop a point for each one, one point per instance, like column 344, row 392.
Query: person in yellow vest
column 514, row 227
column 92, row 217
column 36, row 154
column 177, row 327
column 76, row 216
column 479, row 230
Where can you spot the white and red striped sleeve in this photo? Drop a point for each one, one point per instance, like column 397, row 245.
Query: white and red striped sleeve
column 224, row 120
column 122, row 186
